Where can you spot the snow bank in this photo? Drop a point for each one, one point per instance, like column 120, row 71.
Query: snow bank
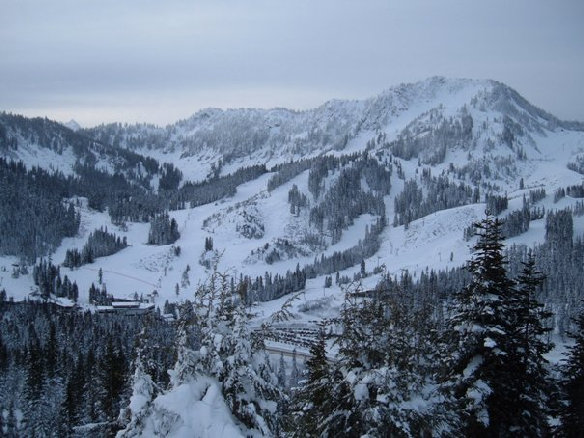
column 193, row 409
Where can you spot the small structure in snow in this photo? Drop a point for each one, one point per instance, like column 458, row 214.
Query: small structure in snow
column 126, row 307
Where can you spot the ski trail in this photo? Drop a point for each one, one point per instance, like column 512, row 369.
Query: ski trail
column 121, row 275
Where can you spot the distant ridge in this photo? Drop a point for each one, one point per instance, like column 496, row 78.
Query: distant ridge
column 73, row 125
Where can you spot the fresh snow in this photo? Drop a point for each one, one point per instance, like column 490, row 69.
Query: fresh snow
column 193, row 409
column 432, row 242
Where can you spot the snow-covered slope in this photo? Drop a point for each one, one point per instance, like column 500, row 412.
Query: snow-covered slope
column 480, row 133
column 476, row 136
column 60, row 147
column 193, row 409
column 489, row 114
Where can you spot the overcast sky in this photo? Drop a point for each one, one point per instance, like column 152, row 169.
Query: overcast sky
column 159, row 61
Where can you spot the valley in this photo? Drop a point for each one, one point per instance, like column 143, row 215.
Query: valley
column 278, row 221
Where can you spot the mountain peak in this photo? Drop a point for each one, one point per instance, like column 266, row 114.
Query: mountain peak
column 72, row 125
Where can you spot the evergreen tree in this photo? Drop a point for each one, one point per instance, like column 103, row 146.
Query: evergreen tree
column 186, row 362
column 495, row 331
column 215, row 353
column 50, row 352
column 249, row 384
column 529, row 390
column 163, row 230
column 383, row 375
column 572, row 413
column 11, row 424
column 282, row 372
column 295, row 371
column 73, row 400
column 143, row 392
column 111, row 378
column 42, row 394
column 313, row 401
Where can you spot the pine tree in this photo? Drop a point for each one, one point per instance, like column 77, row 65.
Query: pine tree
column 313, row 402
column 35, row 370
column 529, row 389
column 90, row 412
column 572, row 413
column 163, row 230
column 50, row 353
column 11, row 423
column 111, row 376
column 72, row 402
column 282, row 372
column 249, row 384
column 185, row 281
column 185, row 367
column 215, row 350
column 143, row 392
column 385, row 365
column 294, row 372
column 479, row 374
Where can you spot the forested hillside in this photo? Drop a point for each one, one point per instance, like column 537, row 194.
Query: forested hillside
column 406, row 265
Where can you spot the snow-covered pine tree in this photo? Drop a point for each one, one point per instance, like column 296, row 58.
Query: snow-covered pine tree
column 282, row 371
column 313, row 400
column 217, row 365
column 572, row 412
column 143, row 392
column 43, row 393
column 480, row 364
column 250, row 386
column 186, row 363
column 248, row 383
column 72, row 403
column 110, row 378
column 163, row 230
column 382, row 380
column 530, row 389
column 294, row 371
column 11, row 426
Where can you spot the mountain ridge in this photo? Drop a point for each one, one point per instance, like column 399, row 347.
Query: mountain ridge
column 286, row 215
column 435, row 120
column 278, row 135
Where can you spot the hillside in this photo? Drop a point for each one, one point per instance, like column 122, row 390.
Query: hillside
column 445, row 138
column 262, row 226
column 468, row 115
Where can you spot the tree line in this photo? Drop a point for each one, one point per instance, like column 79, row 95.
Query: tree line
column 453, row 353
column 479, row 369
column 100, row 243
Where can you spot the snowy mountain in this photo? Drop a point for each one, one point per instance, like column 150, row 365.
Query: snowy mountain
column 291, row 208
column 480, row 114
column 438, row 140
column 72, row 125
column 54, row 147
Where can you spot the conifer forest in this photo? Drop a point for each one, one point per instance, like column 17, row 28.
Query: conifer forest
column 408, row 265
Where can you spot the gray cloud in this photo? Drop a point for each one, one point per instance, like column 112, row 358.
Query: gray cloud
column 143, row 60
